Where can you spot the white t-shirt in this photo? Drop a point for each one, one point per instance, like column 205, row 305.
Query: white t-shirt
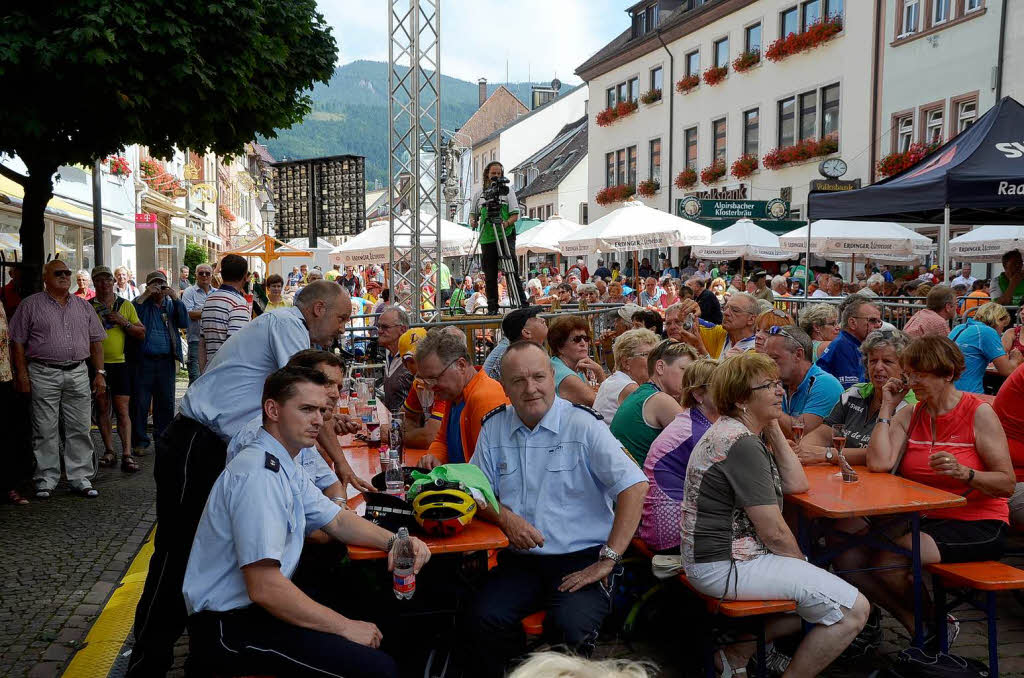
column 607, row 400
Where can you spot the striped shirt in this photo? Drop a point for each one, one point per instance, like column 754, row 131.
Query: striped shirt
column 56, row 332
column 225, row 312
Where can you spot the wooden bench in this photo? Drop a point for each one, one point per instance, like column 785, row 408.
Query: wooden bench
column 989, row 577
column 533, row 625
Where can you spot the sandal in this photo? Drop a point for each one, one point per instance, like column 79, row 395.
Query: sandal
column 727, row 670
column 129, row 465
column 88, row 492
column 108, row 460
column 15, row 498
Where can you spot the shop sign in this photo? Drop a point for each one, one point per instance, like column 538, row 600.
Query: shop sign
column 692, row 208
column 833, row 185
column 145, row 220
column 733, row 192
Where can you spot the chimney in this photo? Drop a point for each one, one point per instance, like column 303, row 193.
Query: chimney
column 482, row 84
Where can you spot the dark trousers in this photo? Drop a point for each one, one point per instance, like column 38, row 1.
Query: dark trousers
column 520, row 585
column 251, row 641
column 17, row 460
column 189, row 457
column 154, row 383
column 489, row 262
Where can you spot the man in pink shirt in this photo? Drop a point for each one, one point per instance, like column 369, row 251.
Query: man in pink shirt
column 935, row 317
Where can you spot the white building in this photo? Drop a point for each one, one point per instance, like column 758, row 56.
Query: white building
column 553, row 181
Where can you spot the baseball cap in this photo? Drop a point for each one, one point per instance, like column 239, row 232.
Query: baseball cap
column 156, row 275
column 407, row 342
column 626, row 312
column 759, row 273
column 101, row 270
column 513, row 323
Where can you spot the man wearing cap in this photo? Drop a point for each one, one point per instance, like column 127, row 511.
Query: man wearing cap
column 522, row 323
column 372, row 293
column 762, row 291
column 162, row 314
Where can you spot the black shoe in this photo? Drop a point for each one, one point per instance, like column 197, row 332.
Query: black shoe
column 869, row 638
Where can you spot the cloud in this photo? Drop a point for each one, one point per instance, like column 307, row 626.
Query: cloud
column 538, row 39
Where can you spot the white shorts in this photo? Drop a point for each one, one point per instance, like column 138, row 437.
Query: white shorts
column 820, row 595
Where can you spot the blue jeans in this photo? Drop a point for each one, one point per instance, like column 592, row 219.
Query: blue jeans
column 154, row 382
column 193, row 360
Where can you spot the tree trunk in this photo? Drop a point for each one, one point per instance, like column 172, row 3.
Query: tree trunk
column 38, row 192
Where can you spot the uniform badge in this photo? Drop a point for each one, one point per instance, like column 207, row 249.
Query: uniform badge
column 271, row 463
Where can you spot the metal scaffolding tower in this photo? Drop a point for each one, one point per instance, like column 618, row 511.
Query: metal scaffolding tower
column 414, row 110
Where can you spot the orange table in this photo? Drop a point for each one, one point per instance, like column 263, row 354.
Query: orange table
column 874, row 494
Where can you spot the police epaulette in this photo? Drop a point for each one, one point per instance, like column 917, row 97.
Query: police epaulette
column 499, row 408
column 271, row 462
column 597, row 415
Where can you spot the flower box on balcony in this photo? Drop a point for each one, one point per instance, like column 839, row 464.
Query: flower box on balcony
column 715, row 75
column 818, row 33
column 651, row 96
column 686, row 84
column 894, row 163
column 686, row 178
column 612, row 194
column 149, row 168
column 746, row 60
column 804, row 150
column 225, row 213
column 613, row 113
column 118, row 166
column 713, row 172
column 647, row 188
column 744, row 166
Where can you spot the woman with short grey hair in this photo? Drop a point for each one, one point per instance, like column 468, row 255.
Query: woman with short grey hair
column 821, row 323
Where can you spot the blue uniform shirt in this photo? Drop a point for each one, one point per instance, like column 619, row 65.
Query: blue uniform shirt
column 980, row 345
column 162, row 340
column 842, row 360
column 308, row 458
column 562, row 477
column 817, row 394
column 227, row 395
column 253, row 513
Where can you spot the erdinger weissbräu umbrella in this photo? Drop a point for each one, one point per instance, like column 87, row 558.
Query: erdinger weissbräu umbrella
column 373, row 245
column 635, row 226
column 876, row 240
column 987, row 243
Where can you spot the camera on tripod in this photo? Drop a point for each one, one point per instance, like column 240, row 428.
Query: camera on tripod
column 492, row 195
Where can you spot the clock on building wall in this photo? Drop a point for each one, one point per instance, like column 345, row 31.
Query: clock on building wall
column 833, row 168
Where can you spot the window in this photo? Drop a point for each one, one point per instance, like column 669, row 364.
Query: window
column 829, row 110
column 834, row 8
column 971, row 5
column 620, row 167
column 690, row 142
column 789, row 21
column 654, row 160
column 531, row 175
column 693, row 63
column 808, row 115
column 645, row 20
column 652, row 17
column 631, row 165
column 940, row 11
column 718, row 132
column 966, row 112
column 751, row 122
column 904, row 133
column 933, row 126
column 722, row 52
column 752, row 38
column 634, row 89
column 609, row 171
column 584, row 217
column 656, row 78
column 548, row 210
column 610, row 102
column 622, row 91
column 911, row 12
column 787, row 121
column 810, row 12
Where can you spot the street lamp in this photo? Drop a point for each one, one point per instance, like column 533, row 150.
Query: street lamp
column 268, row 212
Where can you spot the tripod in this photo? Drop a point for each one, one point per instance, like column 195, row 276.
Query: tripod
column 507, row 265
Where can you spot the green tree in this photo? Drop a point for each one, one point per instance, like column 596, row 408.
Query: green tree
column 86, row 78
column 195, row 254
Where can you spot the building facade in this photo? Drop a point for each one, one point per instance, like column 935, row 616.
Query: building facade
column 553, row 181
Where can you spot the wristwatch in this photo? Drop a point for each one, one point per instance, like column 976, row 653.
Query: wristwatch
column 103, row 372
column 829, row 457
column 607, row 552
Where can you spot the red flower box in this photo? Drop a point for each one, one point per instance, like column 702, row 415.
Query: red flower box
column 713, row 172
column 607, row 196
column 651, row 96
column 894, row 163
column 715, row 75
column 119, row 166
column 613, row 113
column 647, row 188
column 818, row 33
column 746, row 60
column 686, row 178
column 150, row 168
column 688, row 83
column 225, row 213
column 804, row 150
column 744, row 166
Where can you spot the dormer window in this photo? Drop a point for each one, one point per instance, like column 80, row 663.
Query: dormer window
column 645, row 20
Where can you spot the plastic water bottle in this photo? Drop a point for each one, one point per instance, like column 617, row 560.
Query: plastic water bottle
column 394, row 479
column 372, row 422
column 395, row 436
column 403, row 577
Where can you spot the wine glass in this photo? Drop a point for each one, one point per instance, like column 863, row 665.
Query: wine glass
column 839, row 442
column 798, row 428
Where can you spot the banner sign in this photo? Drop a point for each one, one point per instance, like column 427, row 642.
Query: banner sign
column 146, row 220
column 834, row 185
column 692, row 208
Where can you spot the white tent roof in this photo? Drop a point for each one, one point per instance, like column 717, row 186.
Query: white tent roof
column 987, row 243
column 303, row 244
column 635, row 226
column 744, row 239
column 373, row 246
column 545, row 237
column 877, row 240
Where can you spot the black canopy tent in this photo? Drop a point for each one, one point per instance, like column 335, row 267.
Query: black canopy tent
column 977, row 177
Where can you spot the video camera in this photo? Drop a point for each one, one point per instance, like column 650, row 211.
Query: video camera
column 492, row 195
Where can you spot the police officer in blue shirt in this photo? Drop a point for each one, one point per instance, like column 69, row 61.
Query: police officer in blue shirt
column 570, row 500
column 859, row 318
column 245, row 614
column 191, row 452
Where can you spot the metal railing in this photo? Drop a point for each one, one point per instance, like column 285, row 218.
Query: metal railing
column 895, row 310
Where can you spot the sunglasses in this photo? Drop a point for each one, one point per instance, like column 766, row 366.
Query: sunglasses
column 780, row 331
column 64, row 273
column 204, row 273
column 580, row 339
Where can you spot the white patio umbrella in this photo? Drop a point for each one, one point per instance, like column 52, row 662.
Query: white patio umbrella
column 632, row 227
column 987, row 243
column 745, row 240
column 373, row 245
column 544, row 237
column 875, row 240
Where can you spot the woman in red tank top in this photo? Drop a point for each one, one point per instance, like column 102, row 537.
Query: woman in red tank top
column 1012, row 337
column 952, row 441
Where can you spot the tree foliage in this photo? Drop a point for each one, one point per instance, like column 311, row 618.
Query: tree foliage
column 195, row 254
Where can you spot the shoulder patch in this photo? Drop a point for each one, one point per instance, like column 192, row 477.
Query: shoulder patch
column 499, row 408
column 271, row 463
column 597, row 415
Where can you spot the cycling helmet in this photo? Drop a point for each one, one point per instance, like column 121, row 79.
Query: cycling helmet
column 443, row 513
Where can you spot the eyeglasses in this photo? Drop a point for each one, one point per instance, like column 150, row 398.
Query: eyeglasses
column 382, row 327
column 431, row 381
column 204, row 273
column 871, row 321
column 773, row 385
column 642, row 355
column 580, row 339
column 63, row 273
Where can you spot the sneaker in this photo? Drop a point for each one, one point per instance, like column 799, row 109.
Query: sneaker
column 931, row 641
column 88, row 492
column 869, row 638
column 42, row 494
column 775, row 662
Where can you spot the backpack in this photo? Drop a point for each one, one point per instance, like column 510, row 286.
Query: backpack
column 916, row 663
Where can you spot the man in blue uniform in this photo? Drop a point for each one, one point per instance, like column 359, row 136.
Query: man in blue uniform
column 842, row 359
column 245, row 614
column 570, row 500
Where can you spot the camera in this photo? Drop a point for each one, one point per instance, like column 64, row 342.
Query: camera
column 492, row 195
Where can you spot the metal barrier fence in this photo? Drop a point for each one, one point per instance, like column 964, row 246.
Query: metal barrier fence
column 895, row 310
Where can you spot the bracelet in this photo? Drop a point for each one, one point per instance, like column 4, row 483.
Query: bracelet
column 970, row 476
column 343, row 500
column 391, row 542
column 884, row 420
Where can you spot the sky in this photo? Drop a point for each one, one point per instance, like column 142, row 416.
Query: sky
column 539, row 39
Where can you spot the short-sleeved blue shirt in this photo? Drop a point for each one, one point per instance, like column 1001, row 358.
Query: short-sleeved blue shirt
column 308, row 458
column 817, row 394
column 842, row 360
column 980, row 345
column 562, row 371
column 253, row 513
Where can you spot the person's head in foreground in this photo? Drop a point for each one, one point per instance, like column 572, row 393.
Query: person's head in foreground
column 558, row 665
column 790, row 348
column 696, row 387
column 525, row 323
column 407, row 344
column 528, row 378
column 820, row 321
column 994, row 315
column 666, row 364
column 569, row 339
column 932, row 364
column 295, row 401
column 326, row 308
column 57, row 277
column 860, row 317
column 332, row 367
column 443, row 363
column 882, row 353
column 391, row 324
column 631, row 350
column 746, row 386
column 766, row 320
column 740, row 314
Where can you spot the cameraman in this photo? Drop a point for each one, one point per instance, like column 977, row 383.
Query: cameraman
column 508, row 208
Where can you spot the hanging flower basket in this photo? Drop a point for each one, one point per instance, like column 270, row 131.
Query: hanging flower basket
column 686, row 84
column 225, row 213
column 647, row 188
column 621, row 110
column 715, row 75
column 744, row 166
column 713, row 172
column 613, row 194
column 746, row 60
column 651, row 96
column 818, row 33
column 686, row 178
column 804, row 150
column 118, row 166
column 150, row 168
column 894, row 163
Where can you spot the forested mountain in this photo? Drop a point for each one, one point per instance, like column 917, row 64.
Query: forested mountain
column 350, row 115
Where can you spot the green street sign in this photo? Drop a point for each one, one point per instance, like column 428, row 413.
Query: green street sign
column 696, row 209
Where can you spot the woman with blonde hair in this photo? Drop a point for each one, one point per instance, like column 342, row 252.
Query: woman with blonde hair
column 630, row 352
column 821, row 323
column 773, row 317
column 979, row 339
column 718, row 288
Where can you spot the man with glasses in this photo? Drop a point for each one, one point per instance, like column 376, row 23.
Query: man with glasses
column 194, row 298
column 391, row 325
column 443, row 365
column 735, row 335
column 810, row 391
column 53, row 334
column 842, row 358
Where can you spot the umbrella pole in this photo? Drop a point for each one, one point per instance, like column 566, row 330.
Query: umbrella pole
column 807, row 260
column 743, row 261
column 944, row 242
